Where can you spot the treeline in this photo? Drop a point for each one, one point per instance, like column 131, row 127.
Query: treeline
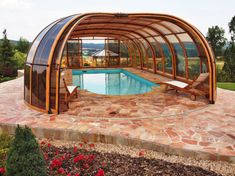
column 12, row 57
column 224, row 50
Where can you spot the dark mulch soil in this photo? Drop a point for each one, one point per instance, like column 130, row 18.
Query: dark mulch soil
column 91, row 162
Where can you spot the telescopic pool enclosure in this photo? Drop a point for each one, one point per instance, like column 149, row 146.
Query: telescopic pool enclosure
column 158, row 43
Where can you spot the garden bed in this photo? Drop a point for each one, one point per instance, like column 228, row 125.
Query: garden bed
column 100, row 159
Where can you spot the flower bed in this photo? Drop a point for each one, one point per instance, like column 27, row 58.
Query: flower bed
column 83, row 160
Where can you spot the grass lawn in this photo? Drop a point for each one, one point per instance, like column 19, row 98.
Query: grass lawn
column 226, row 85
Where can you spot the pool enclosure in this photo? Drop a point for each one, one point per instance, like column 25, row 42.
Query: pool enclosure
column 158, row 43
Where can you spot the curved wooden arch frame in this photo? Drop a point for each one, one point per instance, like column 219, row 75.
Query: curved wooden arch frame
column 189, row 29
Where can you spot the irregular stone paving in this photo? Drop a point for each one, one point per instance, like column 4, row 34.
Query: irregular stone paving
column 187, row 128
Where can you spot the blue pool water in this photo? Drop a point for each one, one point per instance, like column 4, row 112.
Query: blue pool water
column 111, row 82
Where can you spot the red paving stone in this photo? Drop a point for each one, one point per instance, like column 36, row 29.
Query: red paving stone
column 189, row 129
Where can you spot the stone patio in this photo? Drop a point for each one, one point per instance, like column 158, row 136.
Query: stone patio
column 166, row 122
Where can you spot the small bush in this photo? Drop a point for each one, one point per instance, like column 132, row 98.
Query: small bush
column 5, row 142
column 25, row 157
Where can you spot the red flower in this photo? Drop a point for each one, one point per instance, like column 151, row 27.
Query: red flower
column 100, row 172
column 57, row 152
column 141, row 153
column 69, row 174
column 86, row 166
column 89, row 158
column 61, row 170
column 78, row 158
column 67, row 156
column 103, row 164
column 77, row 175
column 49, row 145
column 75, row 149
column 80, row 144
column 43, row 143
column 2, row 170
column 55, row 163
column 45, row 156
column 92, row 145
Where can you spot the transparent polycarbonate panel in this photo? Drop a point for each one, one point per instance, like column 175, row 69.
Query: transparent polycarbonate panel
column 74, row 53
column 158, row 54
column 135, row 56
column 193, row 67
column 155, row 46
column 168, row 56
column 45, row 46
column 124, row 55
column 27, row 83
column 161, row 29
column 175, row 28
column 36, row 43
column 150, row 31
column 142, row 50
column 39, row 86
column 143, row 33
column 191, row 48
column 146, row 53
column 180, row 58
column 204, row 65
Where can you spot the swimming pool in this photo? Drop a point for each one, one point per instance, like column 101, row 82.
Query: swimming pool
column 111, row 82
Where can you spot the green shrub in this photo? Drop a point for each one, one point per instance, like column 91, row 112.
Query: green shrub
column 5, row 142
column 25, row 157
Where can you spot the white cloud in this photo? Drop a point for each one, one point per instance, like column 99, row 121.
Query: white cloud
column 15, row 4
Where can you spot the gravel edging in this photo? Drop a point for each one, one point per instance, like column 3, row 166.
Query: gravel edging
column 220, row 167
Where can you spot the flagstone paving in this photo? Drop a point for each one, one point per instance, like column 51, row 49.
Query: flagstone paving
column 166, row 122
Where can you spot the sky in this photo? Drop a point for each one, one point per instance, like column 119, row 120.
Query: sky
column 26, row 18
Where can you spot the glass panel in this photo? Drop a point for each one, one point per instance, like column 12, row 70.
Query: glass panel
column 157, row 54
column 27, row 83
column 180, row 59
column 150, row 31
column 193, row 67
column 146, row 54
column 74, row 51
column 162, row 29
column 193, row 56
column 112, row 52
column 143, row 33
column 191, row 48
column 142, row 50
column 36, row 43
column 173, row 27
column 135, row 56
column 44, row 48
column 124, row 55
column 167, row 54
column 39, row 86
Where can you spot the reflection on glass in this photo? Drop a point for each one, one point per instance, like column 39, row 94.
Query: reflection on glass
column 193, row 67
column 27, row 83
column 167, row 54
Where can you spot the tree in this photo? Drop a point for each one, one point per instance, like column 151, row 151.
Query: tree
column 19, row 58
column 215, row 36
column 229, row 62
column 6, row 57
column 25, row 157
column 231, row 26
column 22, row 45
